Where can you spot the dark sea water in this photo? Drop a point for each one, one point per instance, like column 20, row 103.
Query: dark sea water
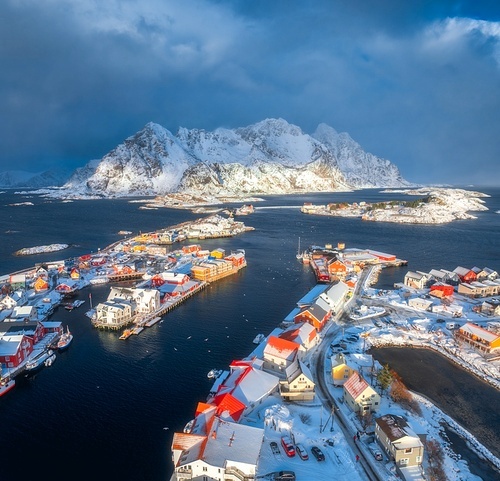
column 100, row 412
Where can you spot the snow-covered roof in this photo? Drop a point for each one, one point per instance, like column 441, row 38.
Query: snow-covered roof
column 281, row 348
column 398, row 431
column 230, row 442
column 10, row 344
column 356, row 385
column 312, row 295
column 413, row 275
column 477, row 331
column 337, row 292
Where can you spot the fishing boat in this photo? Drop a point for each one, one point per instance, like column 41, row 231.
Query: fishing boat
column 259, row 338
column 65, row 340
column 6, row 384
column 126, row 334
column 214, row 373
column 36, row 362
column 50, row 360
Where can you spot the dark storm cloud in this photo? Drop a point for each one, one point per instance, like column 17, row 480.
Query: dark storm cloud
column 415, row 82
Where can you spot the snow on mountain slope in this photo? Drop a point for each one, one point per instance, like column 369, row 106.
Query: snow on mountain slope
column 361, row 169
column 271, row 156
column 21, row 179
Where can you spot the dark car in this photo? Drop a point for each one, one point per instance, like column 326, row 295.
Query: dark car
column 284, row 476
column 274, row 447
column 317, row 453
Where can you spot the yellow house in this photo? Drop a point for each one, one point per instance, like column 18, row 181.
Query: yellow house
column 360, row 396
column 341, row 372
column 41, row 285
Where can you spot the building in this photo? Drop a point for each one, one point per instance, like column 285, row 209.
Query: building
column 303, row 334
column 335, row 296
column 399, row 441
column 360, row 396
column 420, row 303
column 415, row 280
column 465, row 275
column 278, row 355
column 315, row 315
column 440, row 289
column 478, row 337
column 298, row 385
column 337, row 268
column 225, row 451
column 341, row 371
column 491, row 308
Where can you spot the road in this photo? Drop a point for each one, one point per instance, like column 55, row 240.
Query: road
column 323, row 391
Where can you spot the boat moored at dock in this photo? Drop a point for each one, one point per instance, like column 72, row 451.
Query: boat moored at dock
column 36, row 362
column 65, row 340
column 6, row 384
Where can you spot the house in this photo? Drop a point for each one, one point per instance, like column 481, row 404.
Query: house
column 303, row 334
column 246, row 386
column 41, row 285
column 278, row 355
column 478, row 337
column 399, row 441
column 478, row 289
column 337, row 268
column 298, row 385
column 115, row 313
column 438, row 275
column 465, row 275
column 335, row 296
column 226, row 451
column 487, row 274
column 360, row 396
column 415, row 280
column 491, row 307
column 420, row 303
column 14, row 349
column 315, row 315
column 24, row 313
column 341, row 371
column 453, row 277
column 440, row 289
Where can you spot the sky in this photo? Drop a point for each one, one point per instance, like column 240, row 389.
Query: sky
column 415, row 82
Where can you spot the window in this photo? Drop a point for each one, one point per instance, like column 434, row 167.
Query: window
column 408, row 450
column 404, row 461
column 205, row 468
column 418, row 459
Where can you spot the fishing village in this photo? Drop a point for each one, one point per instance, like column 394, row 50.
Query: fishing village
column 152, row 277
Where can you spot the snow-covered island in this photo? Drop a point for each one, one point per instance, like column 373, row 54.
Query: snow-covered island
column 28, row 251
column 434, row 206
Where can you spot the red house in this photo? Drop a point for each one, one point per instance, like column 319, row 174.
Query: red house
column 14, row 349
column 314, row 315
column 441, row 290
column 465, row 275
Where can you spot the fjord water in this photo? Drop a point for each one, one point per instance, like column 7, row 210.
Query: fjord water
column 107, row 409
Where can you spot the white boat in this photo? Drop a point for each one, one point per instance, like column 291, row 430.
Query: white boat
column 214, row 373
column 259, row 338
column 6, row 385
column 65, row 340
column 37, row 361
column 50, row 360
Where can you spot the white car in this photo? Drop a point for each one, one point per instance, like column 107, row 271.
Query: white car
column 301, row 451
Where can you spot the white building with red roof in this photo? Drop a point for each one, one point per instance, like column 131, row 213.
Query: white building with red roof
column 303, row 334
column 227, row 451
column 279, row 354
column 360, row 396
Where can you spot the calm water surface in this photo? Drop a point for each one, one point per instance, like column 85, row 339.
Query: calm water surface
column 101, row 411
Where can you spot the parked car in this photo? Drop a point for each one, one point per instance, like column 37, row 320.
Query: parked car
column 284, row 476
column 330, row 442
column 301, row 451
column 287, row 444
column 274, row 447
column 377, row 454
column 317, row 453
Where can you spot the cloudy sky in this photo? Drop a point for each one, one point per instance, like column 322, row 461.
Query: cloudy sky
column 416, row 82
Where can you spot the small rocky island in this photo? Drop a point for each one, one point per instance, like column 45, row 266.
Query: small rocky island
column 432, row 206
column 28, row 251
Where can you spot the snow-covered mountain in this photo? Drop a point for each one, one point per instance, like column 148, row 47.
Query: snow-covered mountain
column 30, row 180
column 269, row 157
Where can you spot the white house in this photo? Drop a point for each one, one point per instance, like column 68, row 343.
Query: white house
column 335, row 295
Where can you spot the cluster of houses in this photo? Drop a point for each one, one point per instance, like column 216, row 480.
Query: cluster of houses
column 442, row 284
column 330, row 265
column 217, row 443
column 392, row 432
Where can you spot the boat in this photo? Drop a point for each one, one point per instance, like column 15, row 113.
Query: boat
column 6, row 384
column 259, row 338
column 65, row 340
column 78, row 303
column 36, row 362
column 50, row 360
column 214, row 373
column 126, row 334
